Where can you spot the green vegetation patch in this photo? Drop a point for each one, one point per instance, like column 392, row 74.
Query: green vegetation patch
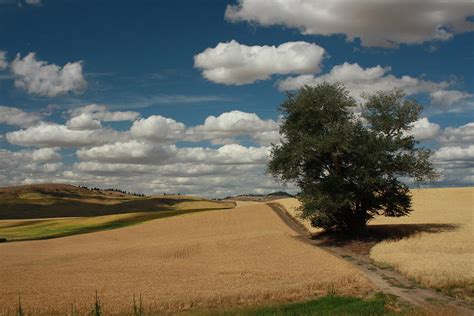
column 461, row 291
column 329, row 305
column 54, row 210
column 379, row 304
column 54, row 228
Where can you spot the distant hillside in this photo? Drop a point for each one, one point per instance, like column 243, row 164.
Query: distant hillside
column 57, row 190
column 260, row 197
column 63, row 200
column 280, row 193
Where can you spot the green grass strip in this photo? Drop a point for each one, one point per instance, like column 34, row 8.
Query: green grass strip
column 328, row 305
column 55, row 228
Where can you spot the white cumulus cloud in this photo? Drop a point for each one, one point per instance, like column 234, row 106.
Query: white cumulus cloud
column 233, row 63
column 40, row 78
column 56, row 135
column 146, row 158
column 455, row 153
column 230, row 154
column 83, row 121
column 18, row 166
column 45, row 154
column 89, row 117
column 130, row 152
column 112, row 169
column 101, row 113
column 17, row 117
column 445, row 98
column 458, row 135
column 223, row 128
column 385, row 23
column 423, row 129
column 144, row 152
column 158, row 128
column 359, row 80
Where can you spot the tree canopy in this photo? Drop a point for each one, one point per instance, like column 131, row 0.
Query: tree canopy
column 347, row 159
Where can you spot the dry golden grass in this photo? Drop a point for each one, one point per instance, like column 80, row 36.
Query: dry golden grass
column 443, row 258
column 217, row 258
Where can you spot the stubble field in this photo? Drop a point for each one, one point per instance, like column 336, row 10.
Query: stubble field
column 220, row 258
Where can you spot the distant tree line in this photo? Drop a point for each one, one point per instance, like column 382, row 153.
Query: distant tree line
column 112, row 190
column 279, row 193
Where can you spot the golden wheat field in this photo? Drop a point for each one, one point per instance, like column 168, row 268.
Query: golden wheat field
column 441, row 255
column 439, row 249
column 220, row 258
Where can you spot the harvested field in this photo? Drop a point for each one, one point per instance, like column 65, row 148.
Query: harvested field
column 439, row 249
column 216, row 258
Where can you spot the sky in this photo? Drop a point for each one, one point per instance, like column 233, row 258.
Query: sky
column 182, row 96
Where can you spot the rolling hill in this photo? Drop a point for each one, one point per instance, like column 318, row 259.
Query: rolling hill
column 57, row 210
column 63, row 200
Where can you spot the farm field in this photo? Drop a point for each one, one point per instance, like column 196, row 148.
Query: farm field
column 435, row 247
column 240, row 256
column 41, row 202
column 62, row 200
column 14, row 230
column 441, row 255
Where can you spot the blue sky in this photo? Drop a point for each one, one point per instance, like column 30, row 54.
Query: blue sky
column 137, row 60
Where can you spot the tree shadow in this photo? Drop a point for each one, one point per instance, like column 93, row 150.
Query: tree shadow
column 363, row 242
column 399, row 231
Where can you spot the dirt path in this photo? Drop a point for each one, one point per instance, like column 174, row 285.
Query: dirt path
column 386, row 279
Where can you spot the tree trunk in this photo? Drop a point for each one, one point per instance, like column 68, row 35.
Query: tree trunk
column 357, row 225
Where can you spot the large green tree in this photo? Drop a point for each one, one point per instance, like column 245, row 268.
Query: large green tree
column 347, row 159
